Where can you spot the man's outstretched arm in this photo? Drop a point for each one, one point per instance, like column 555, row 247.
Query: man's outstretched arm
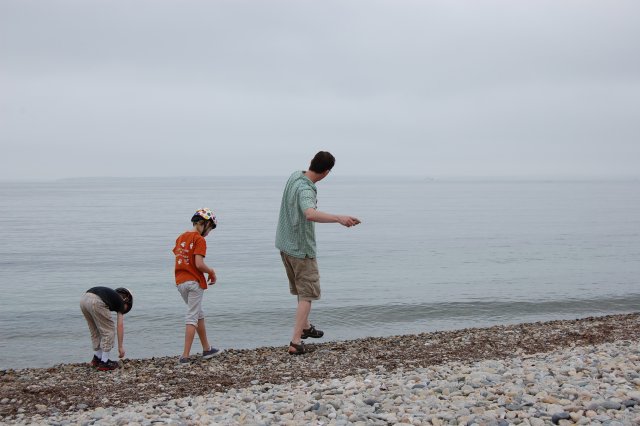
column 321, row 217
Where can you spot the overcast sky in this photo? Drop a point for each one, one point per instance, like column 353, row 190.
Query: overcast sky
column 422, row 88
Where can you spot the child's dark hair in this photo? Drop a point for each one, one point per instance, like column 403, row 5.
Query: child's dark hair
column 127, row 298
column 322, row 162
column 197, row 219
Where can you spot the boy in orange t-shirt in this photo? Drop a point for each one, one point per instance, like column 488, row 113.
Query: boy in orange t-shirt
column 190, row 251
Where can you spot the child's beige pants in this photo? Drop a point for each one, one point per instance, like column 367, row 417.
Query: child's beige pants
column 101, row 325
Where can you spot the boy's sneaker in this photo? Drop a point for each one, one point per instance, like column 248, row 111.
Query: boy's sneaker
column 108, row 365
column 183, row 361
column 95, row 361
column 210, row 353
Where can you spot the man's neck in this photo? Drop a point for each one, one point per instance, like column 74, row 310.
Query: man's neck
column 313, row 176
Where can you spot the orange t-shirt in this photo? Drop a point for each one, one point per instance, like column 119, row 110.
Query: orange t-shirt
column 188, row 245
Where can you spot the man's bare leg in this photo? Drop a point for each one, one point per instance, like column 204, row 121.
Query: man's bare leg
column 302, row 321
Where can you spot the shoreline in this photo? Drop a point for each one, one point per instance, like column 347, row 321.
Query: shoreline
column 68, row 390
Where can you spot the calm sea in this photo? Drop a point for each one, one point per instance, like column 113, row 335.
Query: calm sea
column 429, row 255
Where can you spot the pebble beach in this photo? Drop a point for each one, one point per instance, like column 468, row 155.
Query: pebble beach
column 583, row 371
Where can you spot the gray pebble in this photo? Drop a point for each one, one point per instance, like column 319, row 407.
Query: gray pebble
column 560, row 416
column 370, row 401
column 611, row 405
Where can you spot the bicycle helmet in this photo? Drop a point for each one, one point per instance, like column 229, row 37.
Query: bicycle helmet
column 205, row 214
column 127, row 297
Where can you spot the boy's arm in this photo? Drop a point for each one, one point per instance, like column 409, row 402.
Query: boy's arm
column 321, row 217
column 120, row 330
column 202, row 267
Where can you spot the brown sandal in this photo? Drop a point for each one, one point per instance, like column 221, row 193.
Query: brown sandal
column 299, row 348
column 312, row 332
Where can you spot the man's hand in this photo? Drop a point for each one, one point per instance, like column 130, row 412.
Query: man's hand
column 348, row 221
column 121, row 352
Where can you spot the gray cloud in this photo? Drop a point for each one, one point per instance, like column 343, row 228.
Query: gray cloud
column 470, row 88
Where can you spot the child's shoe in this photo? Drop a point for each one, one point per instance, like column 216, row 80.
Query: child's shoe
column 95, row 361
column 183, row 361
column 210, row 353
column 108, row 365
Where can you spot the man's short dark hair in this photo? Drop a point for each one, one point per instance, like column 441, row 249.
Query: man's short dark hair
column 322, row 162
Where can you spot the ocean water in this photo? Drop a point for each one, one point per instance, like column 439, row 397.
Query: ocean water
column 429, row 255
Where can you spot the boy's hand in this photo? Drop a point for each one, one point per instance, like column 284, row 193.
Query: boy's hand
column 121, row 352
column 212, row 277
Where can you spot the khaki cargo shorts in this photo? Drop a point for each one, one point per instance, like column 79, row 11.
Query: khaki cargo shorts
column 304, row 277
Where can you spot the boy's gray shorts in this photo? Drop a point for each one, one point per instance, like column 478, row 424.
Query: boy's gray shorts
column 192, row 295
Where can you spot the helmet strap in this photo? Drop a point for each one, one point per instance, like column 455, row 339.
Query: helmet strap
column 204, row 228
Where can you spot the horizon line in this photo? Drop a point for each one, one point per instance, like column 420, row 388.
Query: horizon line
column 431, row 178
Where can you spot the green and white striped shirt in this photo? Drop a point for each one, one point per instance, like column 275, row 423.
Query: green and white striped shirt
column 295, row 234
